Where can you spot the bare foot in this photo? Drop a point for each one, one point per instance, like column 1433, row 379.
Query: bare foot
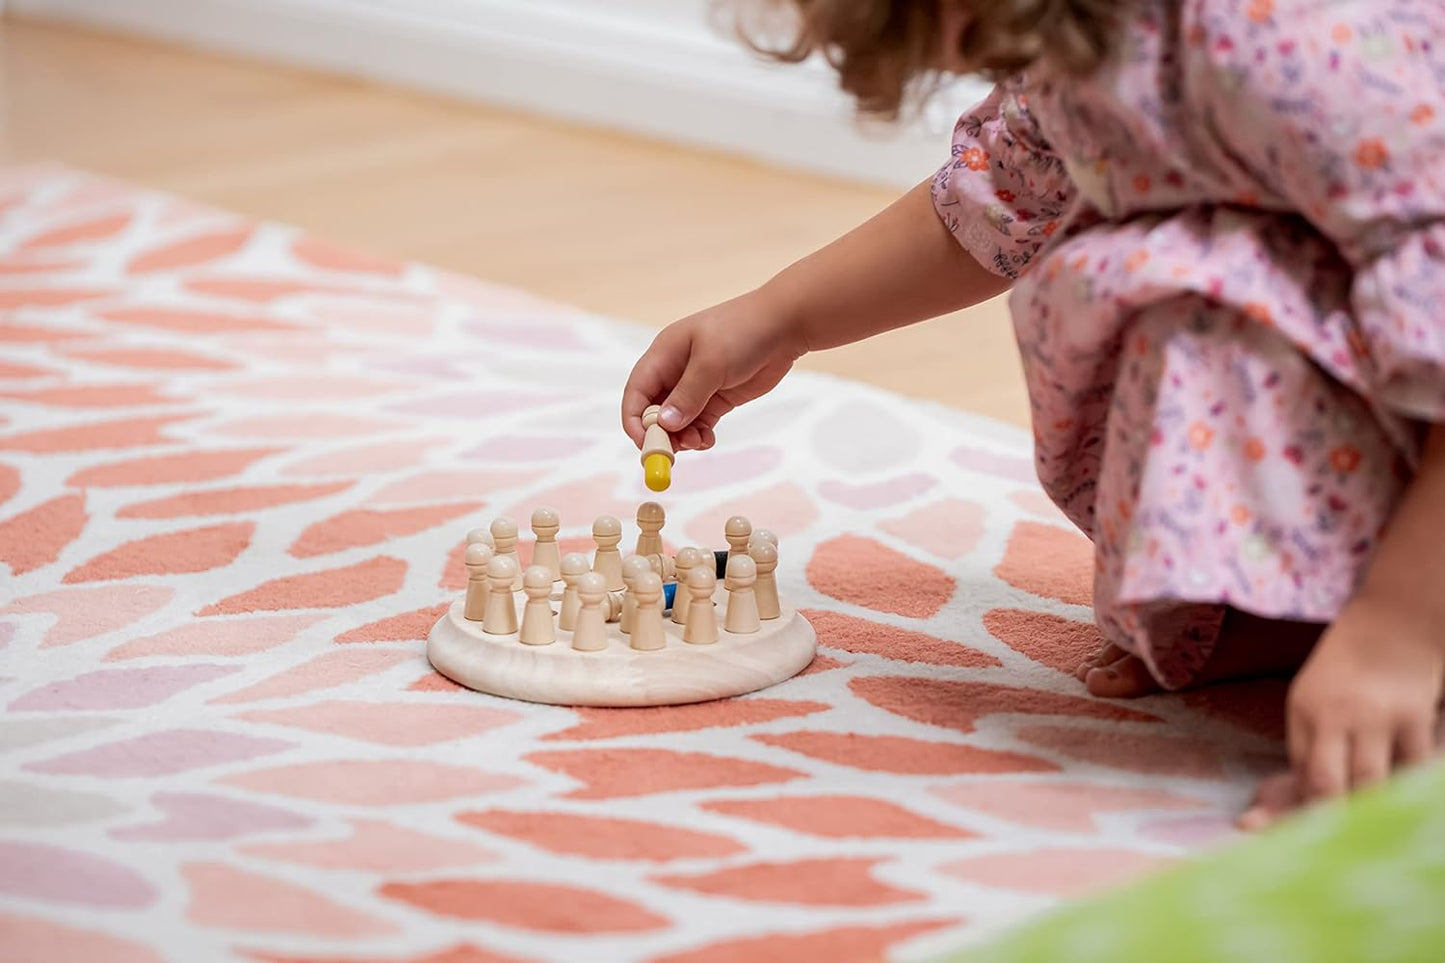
column 1248, row 647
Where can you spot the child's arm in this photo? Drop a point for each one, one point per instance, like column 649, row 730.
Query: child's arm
column 900, row 267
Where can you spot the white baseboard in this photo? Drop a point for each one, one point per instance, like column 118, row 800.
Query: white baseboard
column 596, row 63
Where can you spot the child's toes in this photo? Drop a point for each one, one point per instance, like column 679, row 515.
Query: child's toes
column 1105, row 655
column 1124, row 678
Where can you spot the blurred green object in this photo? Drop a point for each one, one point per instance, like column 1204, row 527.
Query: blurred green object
column 1359, row 881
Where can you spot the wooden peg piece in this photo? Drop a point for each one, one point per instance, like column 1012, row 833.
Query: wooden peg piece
column 537, row 627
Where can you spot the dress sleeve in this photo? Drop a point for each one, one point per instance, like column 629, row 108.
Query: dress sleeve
column 1338, row 113
column 1003, row 194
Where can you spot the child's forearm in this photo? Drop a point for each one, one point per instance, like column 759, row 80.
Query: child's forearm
column 1410, row 562
column 900, row 267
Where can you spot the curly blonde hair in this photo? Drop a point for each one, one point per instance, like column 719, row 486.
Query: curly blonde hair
column 885, row 49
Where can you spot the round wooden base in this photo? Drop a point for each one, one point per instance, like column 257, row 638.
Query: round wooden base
column 619, row 675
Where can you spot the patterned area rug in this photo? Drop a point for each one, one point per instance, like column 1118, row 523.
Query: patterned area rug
column 237, row 465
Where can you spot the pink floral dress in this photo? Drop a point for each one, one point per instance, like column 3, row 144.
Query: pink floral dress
column 1229, row 248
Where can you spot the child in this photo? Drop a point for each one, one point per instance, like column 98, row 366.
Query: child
column 1223, row 223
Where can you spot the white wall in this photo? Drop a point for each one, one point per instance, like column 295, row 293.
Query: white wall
column 647, row 66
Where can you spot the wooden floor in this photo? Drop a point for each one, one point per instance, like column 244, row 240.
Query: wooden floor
column 618, row 225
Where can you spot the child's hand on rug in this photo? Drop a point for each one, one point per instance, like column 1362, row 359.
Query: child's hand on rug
column 705, row 365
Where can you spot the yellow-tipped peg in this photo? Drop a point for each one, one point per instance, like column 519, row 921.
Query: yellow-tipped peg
column 657, row 470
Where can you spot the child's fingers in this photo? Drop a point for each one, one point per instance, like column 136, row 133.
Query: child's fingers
column 1325, row 764
column 699, row 382
column 1276, row 796
column 1370, row 754
column 1415, row 742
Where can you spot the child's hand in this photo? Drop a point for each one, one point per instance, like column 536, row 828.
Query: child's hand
column 1367, row 697
column 1365, row 703
column 705, row 365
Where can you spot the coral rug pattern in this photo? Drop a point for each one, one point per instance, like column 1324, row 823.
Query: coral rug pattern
column 237, row 464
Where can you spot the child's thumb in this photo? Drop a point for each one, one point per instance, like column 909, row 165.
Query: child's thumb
column 689, row 396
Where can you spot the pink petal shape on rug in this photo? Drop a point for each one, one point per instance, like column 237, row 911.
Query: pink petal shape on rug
column 191, row 322
column 1184, row 757
column 29, row 939
column 170, row 553
column 617, row 773
column 370, row 526
column 869, row 573
column 18, row 266
column 542, row 907
column 161, row 754
column 784, row 508
column 319, row 387
column 871, row 495
column 1057, row 872
column 530, row 333
column 435, row 682
column 82, row 232
column 187, row 466
column 534, row 447
column 1192, row 832
column 840, row 881
column 13, row 371
column 95, row 436
column 578, row 503
column 843, row 944
column 891, row 442
column 36, row 538
column 230, row 898
column 26, row 334
column 949, row 528
column 43, row 872
column 1054, row 641
column 264, row 290
column 1064, row 806
column 1049, row 561
column 897, row 754
column 838, row 817
column 363, row 460
column 229, row 501
column 452, row 486
column 460, row 953
column 376, row 847
column 598, row 723
column 92, row 396
column 709, row 469
column 326, row 671
column 993, row 463
column 389, row 723
column 374, row 782
column 152, row 359
column 201, row 249
column 328, row 589
column 118, row 688
column 83, row 613
column 217, row 637
column 9, row 482
column 411, row 626
column 323, row 254
column 959, row 705
column 467, row 404
column 852, row 634
column 190, row 817
column 602, row 837
column 1036, row 503
column 316, row 424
